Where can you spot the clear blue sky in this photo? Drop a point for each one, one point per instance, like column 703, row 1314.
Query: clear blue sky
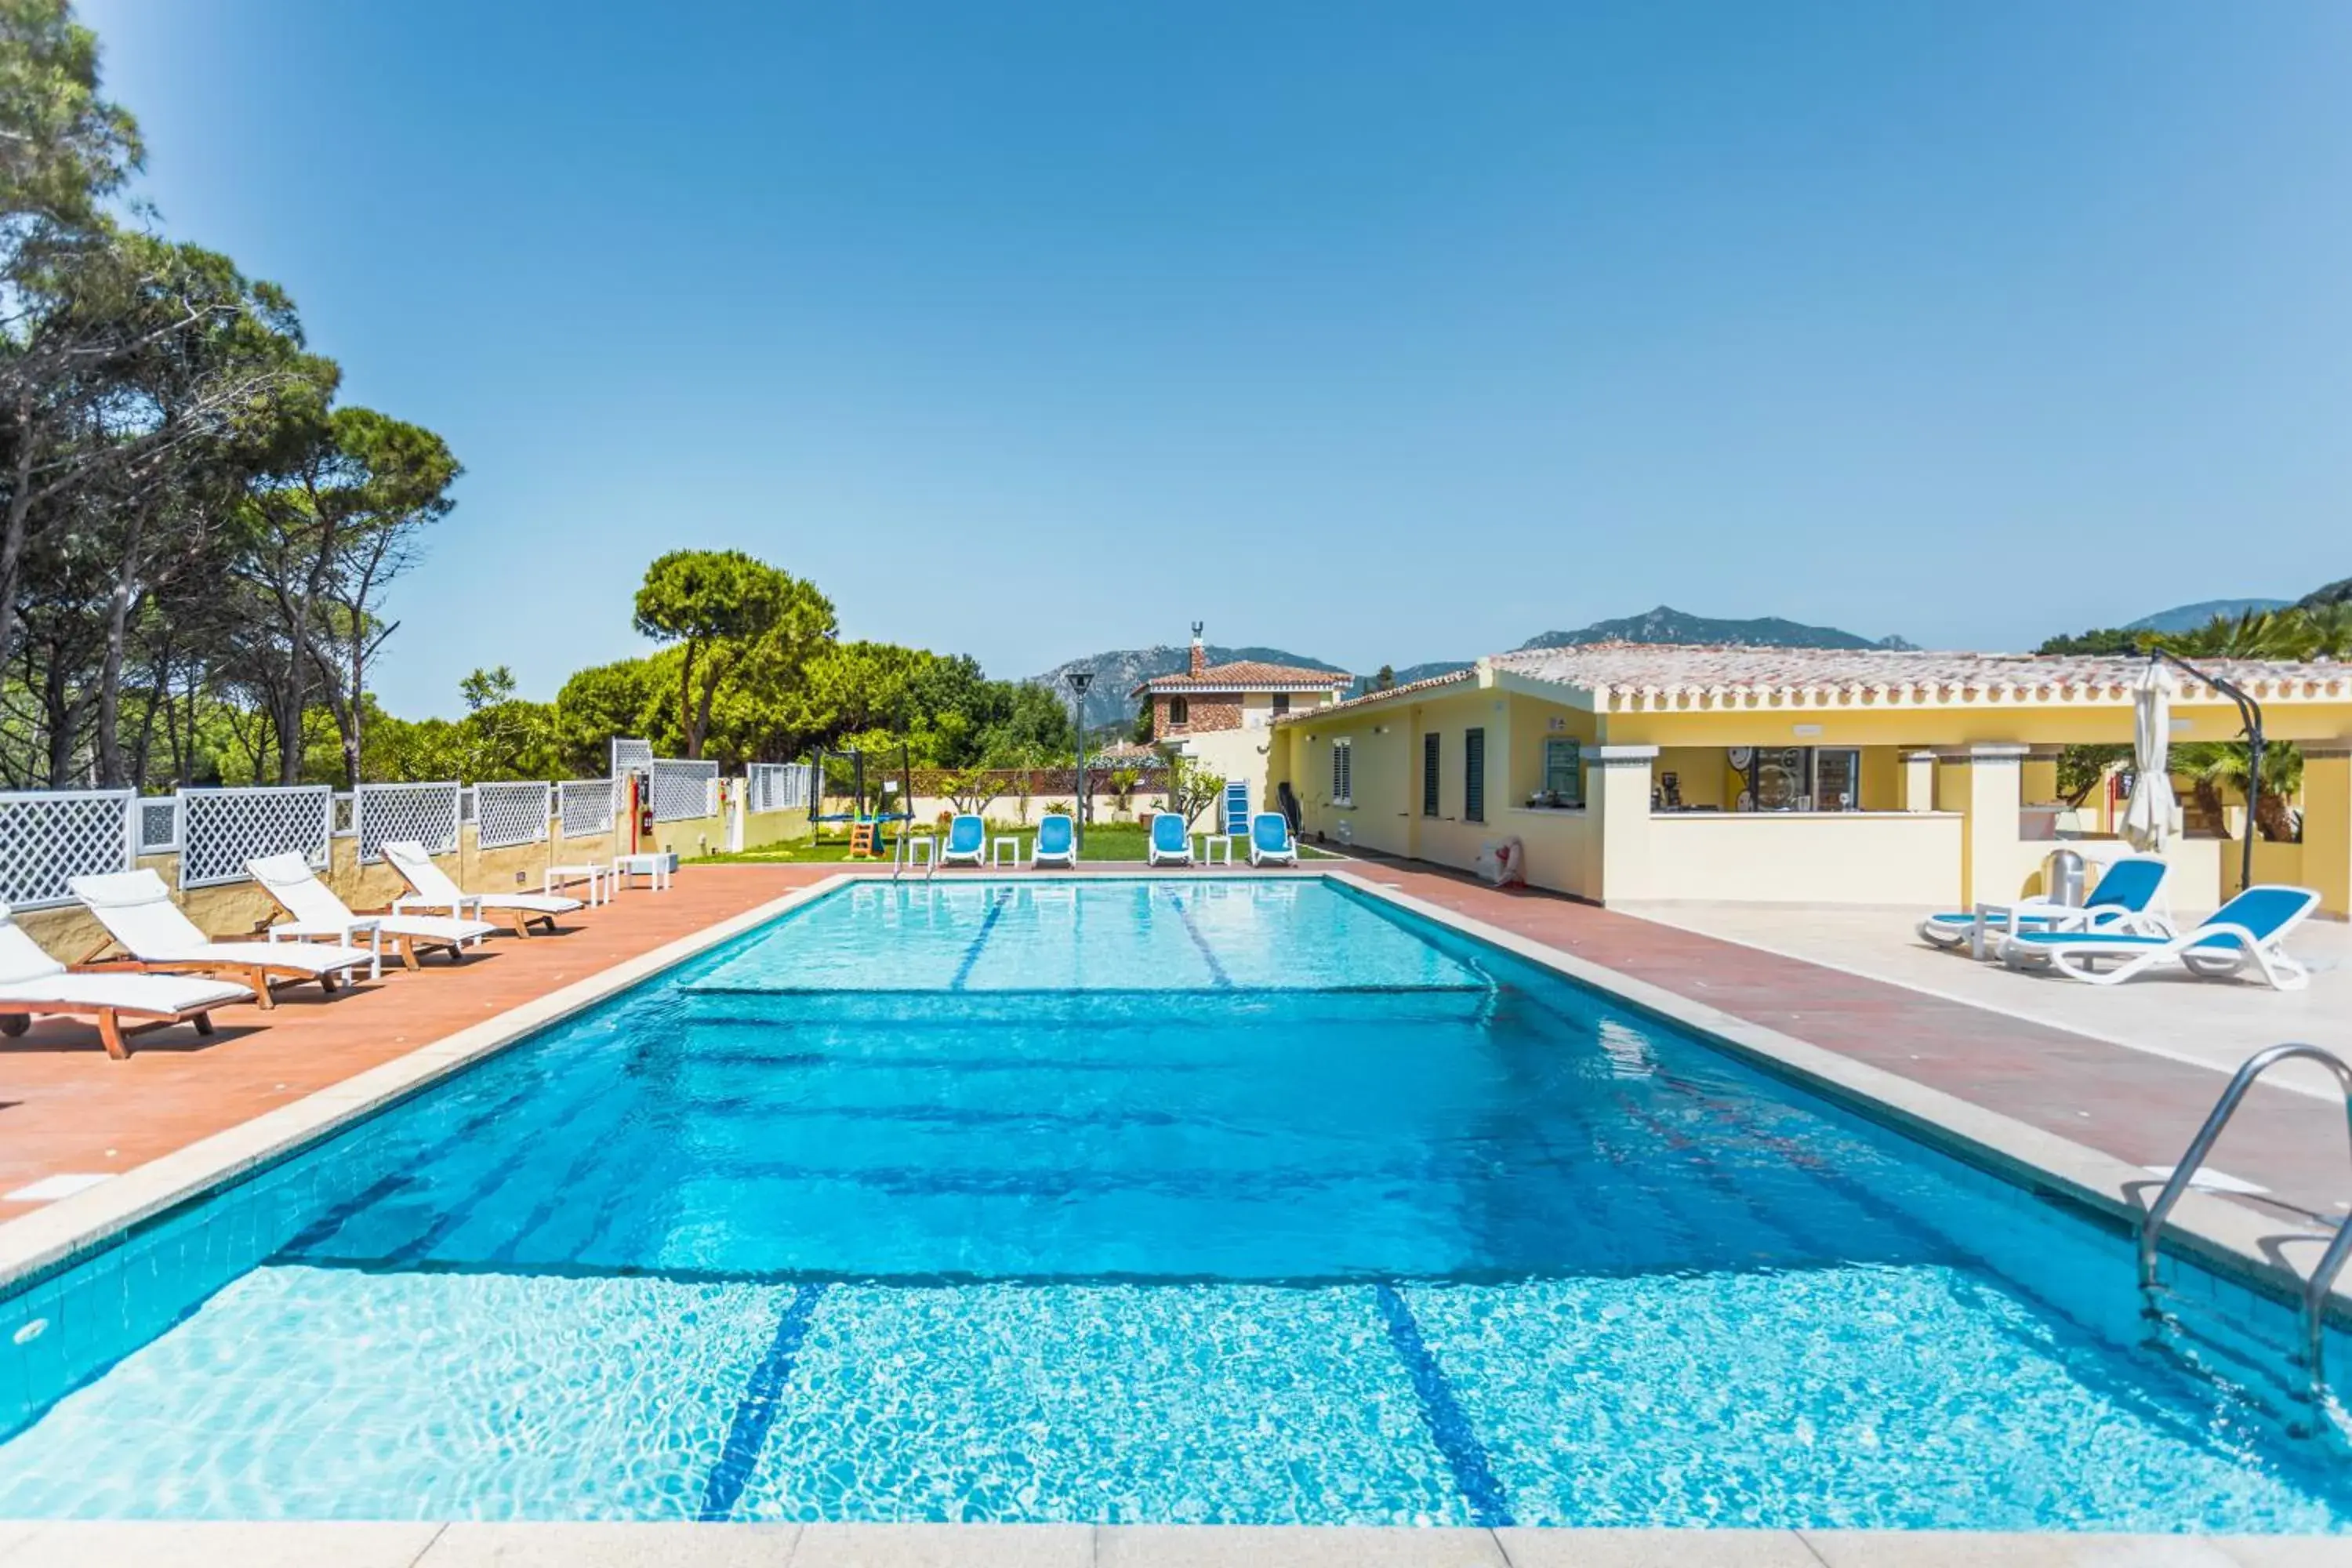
column 1379, row 333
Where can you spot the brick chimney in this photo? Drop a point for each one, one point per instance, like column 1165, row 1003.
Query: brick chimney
column 1200, row 654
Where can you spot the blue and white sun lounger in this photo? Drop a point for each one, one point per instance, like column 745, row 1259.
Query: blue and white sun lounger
column 2247, row 932
column 1270, row 840
column 2123, row 901
column 1056, row 843
column 967, row 842
column 1171, row 845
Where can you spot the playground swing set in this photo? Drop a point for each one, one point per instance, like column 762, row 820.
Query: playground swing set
column 866, row 828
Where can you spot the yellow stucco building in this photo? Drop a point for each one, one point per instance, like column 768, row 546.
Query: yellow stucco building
column 1636, row 773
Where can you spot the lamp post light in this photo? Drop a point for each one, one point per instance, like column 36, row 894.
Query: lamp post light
column 2250, row 714
column 1078, row 681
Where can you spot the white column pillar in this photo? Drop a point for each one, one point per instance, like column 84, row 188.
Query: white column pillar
column 1918, row 781
column 1617, row 806
column 2327, row 822
column 1983, row 783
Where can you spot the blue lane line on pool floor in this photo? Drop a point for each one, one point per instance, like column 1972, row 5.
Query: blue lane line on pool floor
column 1464, row 1455
column 971, row 953
column 1216, row 970
column 747, row 1433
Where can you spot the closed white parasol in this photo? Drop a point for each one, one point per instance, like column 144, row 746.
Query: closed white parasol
column 2147, row 816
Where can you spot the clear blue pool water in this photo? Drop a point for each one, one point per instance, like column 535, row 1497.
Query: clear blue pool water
column 1116, row 1202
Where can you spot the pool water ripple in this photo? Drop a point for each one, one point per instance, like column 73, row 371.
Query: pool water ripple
column 1211, row 1201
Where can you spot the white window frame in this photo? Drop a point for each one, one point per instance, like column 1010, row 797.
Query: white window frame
column 1343, row 772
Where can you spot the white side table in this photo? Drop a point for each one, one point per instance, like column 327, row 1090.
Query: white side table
column 1210, row 843
column 1004, row 849
column 595, row 873
column 653, row 868
column 340, row 933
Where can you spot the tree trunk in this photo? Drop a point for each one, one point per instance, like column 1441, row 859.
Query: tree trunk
column 685, row 705
column 12, row 537
column 64, row 716
column 110, row 771
column 712, row 673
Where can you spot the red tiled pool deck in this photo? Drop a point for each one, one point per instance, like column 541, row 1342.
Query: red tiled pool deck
column 66, row 1108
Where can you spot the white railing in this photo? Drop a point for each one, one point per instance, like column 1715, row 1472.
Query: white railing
column 159, row 825
column 465, row 802
column 587, row 806
column 345, row 818
column 683, row 790
column 631, row 757
column 423, row 813
column 777, row 786
column 509, row 814
column 220, row 829
column 48, row 838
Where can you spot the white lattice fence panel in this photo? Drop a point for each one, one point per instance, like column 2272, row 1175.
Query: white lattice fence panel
column 391, row 814
column 631, row 757
column 777, row 786
column 220, row 829
column 159, row 825
column 684, row 789
column 48, row 838
column 587, row 806
column 510, row 814
column 345, row 819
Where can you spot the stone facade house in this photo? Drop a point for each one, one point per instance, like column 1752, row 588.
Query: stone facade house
column 1245, row 694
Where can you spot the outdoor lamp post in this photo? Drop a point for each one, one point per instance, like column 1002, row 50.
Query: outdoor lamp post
column 1079, row 680
column 2250, row 714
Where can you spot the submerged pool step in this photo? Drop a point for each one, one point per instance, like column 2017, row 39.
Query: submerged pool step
column 1093, row 1008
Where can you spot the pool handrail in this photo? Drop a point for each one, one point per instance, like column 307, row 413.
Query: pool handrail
column 2322, row 1279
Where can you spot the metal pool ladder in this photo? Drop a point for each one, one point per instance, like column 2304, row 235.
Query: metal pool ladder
column 2331, row 1262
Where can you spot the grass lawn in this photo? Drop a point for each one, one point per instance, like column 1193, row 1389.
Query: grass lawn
column 1104, row 841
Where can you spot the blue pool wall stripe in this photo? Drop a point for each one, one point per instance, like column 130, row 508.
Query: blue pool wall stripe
column 747, row 1432
column 1456, row 1439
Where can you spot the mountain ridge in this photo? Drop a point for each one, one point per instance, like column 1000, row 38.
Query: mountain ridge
column 2190, row 618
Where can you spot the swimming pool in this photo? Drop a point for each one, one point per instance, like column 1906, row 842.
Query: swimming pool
column 1192, row 1201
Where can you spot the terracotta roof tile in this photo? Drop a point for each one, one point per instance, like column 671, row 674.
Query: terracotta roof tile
column 1251, row 674
column 1672, row 676
column 1665, row 666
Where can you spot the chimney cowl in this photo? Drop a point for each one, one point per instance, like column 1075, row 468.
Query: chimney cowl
column 1200, row 652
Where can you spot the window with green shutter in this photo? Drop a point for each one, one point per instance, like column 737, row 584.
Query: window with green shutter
column 1429, row 752
column 1473, row 775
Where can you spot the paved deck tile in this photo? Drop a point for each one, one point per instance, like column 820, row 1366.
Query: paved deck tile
column 944, row 1546
column 612, row 1546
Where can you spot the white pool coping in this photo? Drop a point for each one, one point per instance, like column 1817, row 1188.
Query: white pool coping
column 2234, row 1241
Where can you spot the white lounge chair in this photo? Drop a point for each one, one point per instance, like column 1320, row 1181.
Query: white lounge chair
column 33, row 985
column 1056, row 843
column 2247, row 932
column 967, row 841
column 319, row 915
column 1172, row 844
column 2124, row 900
column 431, row 888
column 138, row 912
column 1270, row 840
